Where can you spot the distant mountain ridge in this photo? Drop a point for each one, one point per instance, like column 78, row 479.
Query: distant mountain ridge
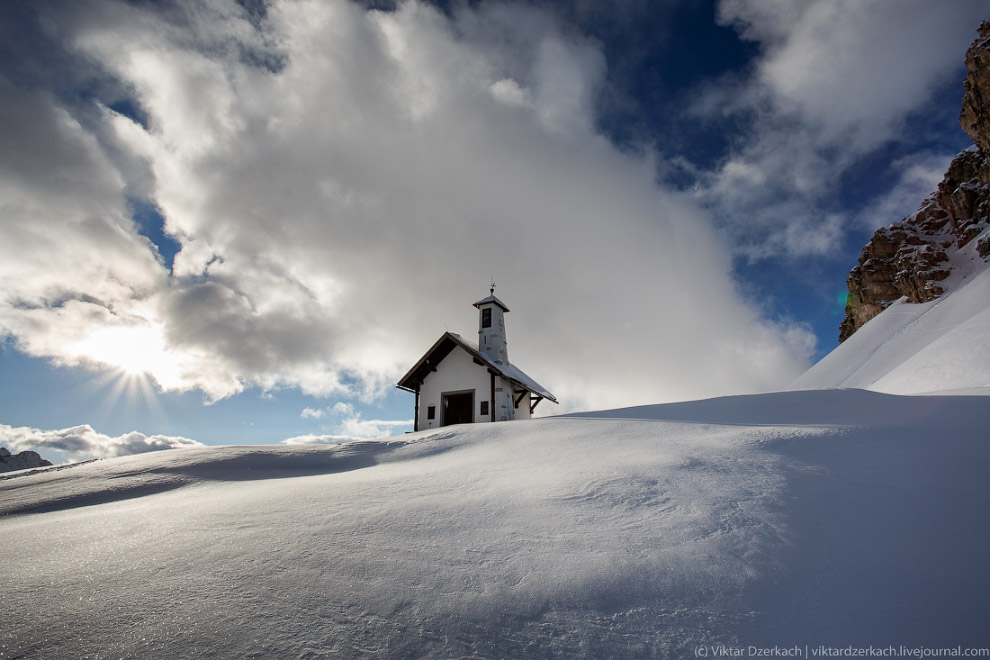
column 912, row 258
column 22, row 461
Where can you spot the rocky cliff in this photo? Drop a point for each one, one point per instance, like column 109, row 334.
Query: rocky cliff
column 912, row 257
column 22, row 461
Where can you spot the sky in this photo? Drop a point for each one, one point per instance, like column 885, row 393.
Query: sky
column 241, row 222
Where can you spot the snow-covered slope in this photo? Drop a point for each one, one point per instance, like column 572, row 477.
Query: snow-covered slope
column 939, row 346
column 836, row 517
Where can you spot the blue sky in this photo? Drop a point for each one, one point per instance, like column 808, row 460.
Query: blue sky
column 234, row 222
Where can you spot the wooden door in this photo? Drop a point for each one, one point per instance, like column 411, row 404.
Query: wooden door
column 458, row 408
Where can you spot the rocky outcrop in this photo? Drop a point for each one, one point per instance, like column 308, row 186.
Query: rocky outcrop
column 975, row 117
column 22, row 461
column 910, row 258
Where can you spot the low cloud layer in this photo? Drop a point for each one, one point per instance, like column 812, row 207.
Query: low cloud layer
column 82, row 442
column 344, row 183
column 350, row 429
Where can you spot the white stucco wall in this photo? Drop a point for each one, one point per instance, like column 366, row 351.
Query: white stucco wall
column 456, row 373
column 522, row 410
column 459, row 373
column 503, row 400
column 492, row 340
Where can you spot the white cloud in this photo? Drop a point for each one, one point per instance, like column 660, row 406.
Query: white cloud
column 509, row 92
column 340, row 408
column 318, row 439
column 351, row 429
column 566, row 78
column 918, row 179
column 373, row 428
column 343, row 408
column 67, row 235
column 835, row 81
column 855, row 69
column 335, row 212
column 80, row 442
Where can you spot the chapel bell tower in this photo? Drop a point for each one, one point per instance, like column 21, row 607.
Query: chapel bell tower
column 491, row 328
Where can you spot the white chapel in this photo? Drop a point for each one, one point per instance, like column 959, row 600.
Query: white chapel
column 460, row 382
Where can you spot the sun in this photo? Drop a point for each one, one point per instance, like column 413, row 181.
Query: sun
column 134, row 350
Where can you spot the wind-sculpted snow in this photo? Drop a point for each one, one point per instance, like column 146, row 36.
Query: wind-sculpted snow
column 134, row 477
column 796, row 518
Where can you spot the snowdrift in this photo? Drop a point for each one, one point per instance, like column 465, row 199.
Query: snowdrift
column 940, row 346
column 812, row 518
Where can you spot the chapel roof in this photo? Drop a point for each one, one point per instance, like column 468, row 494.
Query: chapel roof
column 448, row 342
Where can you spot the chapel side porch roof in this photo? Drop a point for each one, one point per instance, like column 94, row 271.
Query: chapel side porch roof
column 448, row 342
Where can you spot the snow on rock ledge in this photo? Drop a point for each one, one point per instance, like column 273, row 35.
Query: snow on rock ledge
column 938, row 346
